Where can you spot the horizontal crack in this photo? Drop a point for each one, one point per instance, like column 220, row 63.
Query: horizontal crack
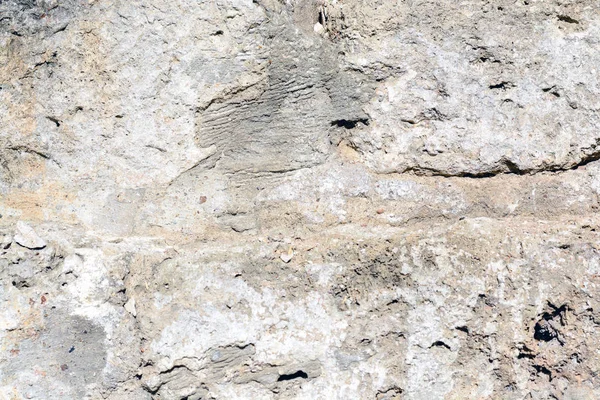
column 507, row 168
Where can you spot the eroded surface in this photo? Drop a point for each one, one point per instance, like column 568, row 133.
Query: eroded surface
column 299, row 200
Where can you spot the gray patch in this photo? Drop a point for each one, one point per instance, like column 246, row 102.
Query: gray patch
column 28, row 17
column 66, row 357
column 283, row 123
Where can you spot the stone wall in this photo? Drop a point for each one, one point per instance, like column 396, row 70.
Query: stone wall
column 299, row 199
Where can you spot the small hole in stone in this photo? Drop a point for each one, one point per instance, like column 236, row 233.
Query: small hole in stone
column 567, row 19
column 349, row 124
column 439, row 343
column 321, row 18
column 295, row 375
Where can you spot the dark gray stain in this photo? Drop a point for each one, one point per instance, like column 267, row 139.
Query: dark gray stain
column 69, row 354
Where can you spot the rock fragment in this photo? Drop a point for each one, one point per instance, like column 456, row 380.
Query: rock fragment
column 287, row 256
column 130, row 306
column 26, row 237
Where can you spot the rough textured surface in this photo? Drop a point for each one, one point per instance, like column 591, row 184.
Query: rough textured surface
column 270, row 199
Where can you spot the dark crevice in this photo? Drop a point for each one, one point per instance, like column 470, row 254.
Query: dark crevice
column 322, row 19
column 553, row 91
column 175, row 368
column 31, row 151
column 526, row 355
column 488, row 59
column 512, row 167
column 546, row 330
column 55, row 120
column 34, row 152
column 295, row 375
column 20, row 284
column 350, row 124
column 541, row 369
column 478, row 175
column 462, row 329
column 439, row 343
column 502, row 85
column 567, row 19
column 391, row 393
column 151, row 391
